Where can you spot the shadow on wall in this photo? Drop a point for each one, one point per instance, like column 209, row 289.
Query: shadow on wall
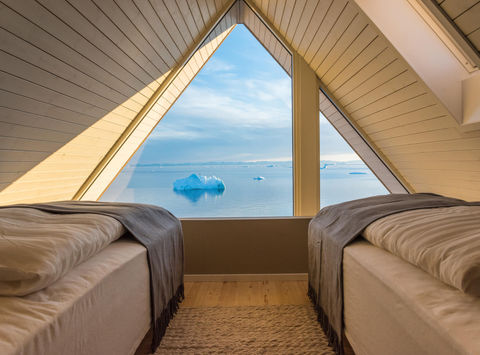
column 94, row 105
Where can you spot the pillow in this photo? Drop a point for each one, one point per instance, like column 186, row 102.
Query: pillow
column 445, row 242
column 38, row 248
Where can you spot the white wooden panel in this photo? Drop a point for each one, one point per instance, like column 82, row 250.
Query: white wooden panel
column 266, row 38
column 161, row 107
column 380, row 93
column 74, row 76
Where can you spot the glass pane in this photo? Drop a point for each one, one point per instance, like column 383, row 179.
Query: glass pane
column 232, row 129
column 343, row 175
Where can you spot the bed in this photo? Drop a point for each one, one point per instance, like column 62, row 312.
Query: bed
column 409, row 276
column 392, row 307
column 70, row 296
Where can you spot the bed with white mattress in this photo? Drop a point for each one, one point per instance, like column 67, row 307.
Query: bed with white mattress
column 392, row 307
column 80, row 283
column 411, row 286
column 83, row 313
column 409, row 280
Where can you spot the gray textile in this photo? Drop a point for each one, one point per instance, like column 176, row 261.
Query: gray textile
column 161, row 234
column 336, row 226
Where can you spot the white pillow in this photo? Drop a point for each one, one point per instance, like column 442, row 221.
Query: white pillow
column 38, row 248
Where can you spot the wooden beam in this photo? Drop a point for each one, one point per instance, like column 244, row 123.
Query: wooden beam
column 306, row 147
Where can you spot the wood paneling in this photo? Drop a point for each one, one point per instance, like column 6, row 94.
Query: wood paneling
column 466, row 16
column 75, row 74
column 382, row 96
column 266, row 38
column 167, row 98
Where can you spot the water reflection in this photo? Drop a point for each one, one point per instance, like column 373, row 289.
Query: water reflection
column 195, row 195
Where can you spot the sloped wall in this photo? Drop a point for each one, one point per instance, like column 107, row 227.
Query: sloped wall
column 72, row 79
column 465, row 15
column 172, row 92
column 381, row 94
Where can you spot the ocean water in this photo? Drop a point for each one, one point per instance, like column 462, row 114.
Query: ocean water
column 244, row 196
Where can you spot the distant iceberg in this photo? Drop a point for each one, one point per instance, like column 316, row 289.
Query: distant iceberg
column 258, row 178
column 271, row 166
column 199, row 182
column 357, row 173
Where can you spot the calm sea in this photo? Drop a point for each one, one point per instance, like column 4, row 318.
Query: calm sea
column 244, row 196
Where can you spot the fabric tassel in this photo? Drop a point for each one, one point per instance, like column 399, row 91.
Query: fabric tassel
column 333, row 339
column 161, row 323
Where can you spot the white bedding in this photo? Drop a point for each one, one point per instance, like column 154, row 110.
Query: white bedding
column 101, row 306
column 445, row 242
column 394, row 308
column 38, row 248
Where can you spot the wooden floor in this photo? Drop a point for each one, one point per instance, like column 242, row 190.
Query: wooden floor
column 236, row 293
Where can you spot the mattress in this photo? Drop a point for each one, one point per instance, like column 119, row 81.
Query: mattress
column 101, row 306
column 392, row 307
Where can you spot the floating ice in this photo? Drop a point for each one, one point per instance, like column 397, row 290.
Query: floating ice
column 271, row 166
column 325, row 166
column 357, row 173
column 199, row 182
column 259, row 178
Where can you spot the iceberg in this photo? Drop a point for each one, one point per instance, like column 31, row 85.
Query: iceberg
column 325, row 165
column 258, row 178
column 199, row 182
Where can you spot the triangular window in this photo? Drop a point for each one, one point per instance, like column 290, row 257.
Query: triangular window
column 343, row 174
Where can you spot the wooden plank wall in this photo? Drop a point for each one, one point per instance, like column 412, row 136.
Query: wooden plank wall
column 466, row 15
column 266, row 38
column 382, row 95
column 161, row 107
column 73, row 75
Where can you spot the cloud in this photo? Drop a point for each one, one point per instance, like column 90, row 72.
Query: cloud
column 177, row 132
column 253, row 104
column 216, row 65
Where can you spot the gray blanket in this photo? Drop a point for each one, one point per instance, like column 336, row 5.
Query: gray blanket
column 161, row 234
column 336, row 226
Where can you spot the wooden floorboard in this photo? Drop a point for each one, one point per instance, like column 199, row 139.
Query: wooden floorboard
column 242, row 293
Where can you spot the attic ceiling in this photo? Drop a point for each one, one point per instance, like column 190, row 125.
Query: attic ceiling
column 83, row 82
column 74, row 77
column 466, row 16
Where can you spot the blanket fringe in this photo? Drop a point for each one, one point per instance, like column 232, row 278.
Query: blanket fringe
column 161, row 323
column 333, row 339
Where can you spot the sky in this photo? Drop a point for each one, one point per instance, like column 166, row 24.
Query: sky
column 238, row 108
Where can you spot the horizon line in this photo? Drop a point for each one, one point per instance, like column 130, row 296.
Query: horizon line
column 220, row 162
